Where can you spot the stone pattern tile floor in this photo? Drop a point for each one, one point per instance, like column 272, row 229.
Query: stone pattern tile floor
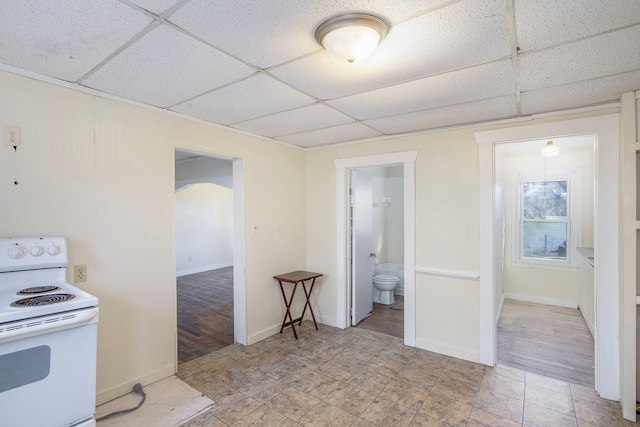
column 356, row 377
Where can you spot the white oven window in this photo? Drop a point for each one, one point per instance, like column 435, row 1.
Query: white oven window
column 24, row 367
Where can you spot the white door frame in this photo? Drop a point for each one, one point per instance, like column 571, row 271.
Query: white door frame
column 239, row 286
column 605, row 129
column 407, row 160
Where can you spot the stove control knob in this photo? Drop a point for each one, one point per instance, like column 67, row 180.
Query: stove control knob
column 17, row 251
column 37, row 250
column 53, row 249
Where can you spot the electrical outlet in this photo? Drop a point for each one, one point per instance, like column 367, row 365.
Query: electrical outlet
column 11, row 136
column 79, row 273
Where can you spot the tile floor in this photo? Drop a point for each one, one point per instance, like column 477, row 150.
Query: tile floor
column 355, row 377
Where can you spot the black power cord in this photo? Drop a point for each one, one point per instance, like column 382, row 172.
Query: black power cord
column 136, row 388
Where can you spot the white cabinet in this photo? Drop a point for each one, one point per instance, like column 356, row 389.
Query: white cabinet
column 586, row 295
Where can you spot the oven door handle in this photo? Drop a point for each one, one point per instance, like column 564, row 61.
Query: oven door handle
column 48, row 324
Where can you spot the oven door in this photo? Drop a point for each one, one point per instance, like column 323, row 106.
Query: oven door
column 49, row 376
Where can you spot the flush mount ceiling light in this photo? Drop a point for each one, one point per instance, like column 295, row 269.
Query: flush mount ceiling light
column 549, row 150
column 351, row 37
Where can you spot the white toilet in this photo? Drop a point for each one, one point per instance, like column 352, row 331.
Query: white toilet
column 383, row 287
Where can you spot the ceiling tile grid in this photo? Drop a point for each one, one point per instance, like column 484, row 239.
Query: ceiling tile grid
column 470, row 84
column 295, row 121
column 590, row 58
column 344, row 133
column 545, row 23
column 256, row 96
column 463, row 34
column 469, row 112
column 165, row 67
column 588, row 92
column 64, row 39
column 256, row 66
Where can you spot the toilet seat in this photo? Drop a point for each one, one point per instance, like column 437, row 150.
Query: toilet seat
column 385, row 278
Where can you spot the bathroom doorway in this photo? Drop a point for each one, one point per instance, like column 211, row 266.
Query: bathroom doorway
column 377, row 249
column 406, row 160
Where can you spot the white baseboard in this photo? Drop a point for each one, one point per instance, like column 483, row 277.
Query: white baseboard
column 265, row 333
column 126, row 387
column 447, row 350
column 542, row 300
column 203, row 269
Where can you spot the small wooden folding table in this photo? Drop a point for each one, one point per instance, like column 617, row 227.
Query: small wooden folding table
column 296, row 277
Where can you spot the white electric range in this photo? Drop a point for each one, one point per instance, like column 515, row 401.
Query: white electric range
column 48, row 337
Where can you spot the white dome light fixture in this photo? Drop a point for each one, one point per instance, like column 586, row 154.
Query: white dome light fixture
column 351, row 37
column 549, row 150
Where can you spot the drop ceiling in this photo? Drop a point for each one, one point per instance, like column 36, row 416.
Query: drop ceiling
column 255, row 66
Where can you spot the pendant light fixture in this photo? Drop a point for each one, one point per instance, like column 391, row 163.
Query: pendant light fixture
column 351, row 37
column 549, row 150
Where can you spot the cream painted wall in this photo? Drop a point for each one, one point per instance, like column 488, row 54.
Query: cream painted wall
column 101, row 173
column 446, row 232
column 203, row 228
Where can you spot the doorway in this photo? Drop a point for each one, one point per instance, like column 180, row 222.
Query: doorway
column 605, row 130
column 343, row 276
column 209, row 253
column 377, row 249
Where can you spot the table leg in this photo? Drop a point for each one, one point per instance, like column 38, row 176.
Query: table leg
column 308, row 303
column 288, row 305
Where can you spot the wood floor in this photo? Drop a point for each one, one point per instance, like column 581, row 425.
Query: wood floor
column 205, row 313
column 546, row 340
column 385, row 319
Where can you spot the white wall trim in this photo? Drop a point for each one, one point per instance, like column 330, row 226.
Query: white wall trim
column 407, row 159
column 203, row 269
column 455, row 274
column 542, row 300
column 239, row 285
column 267, row 332
column 606, row 237
column 500, row 309
column 126, row 387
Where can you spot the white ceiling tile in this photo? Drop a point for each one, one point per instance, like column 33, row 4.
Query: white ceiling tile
column 579, row 94
column 543, row 23
column 166, row 67
column 471, row 84
column 293, row 121
column 280, row 31
column 155, row 6
column 64, row 38
column 590, row 58
column 460, row 35
column 337, row 134
column 256, row 96
column 472, row 112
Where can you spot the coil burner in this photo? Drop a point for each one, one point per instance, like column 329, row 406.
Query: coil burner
column 38, row 290
column 42, row 300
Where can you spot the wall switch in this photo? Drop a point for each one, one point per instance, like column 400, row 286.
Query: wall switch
column 79, row 273
column 11, row 136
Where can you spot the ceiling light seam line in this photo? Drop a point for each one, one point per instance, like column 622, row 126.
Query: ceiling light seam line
column 581, row 81
column 201, row 40
column 513, row 41
column 424, row 12
column 522, row 119
column 272, row 114
column 312, row 130
column 207, row 92
column 428, row 76
column 434, row 108
column 278, row 79
column 580, row 39
column 153, row 24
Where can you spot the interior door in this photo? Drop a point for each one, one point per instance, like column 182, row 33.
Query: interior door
column 361, row 245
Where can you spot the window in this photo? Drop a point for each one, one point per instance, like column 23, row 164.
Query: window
column 544, row 221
